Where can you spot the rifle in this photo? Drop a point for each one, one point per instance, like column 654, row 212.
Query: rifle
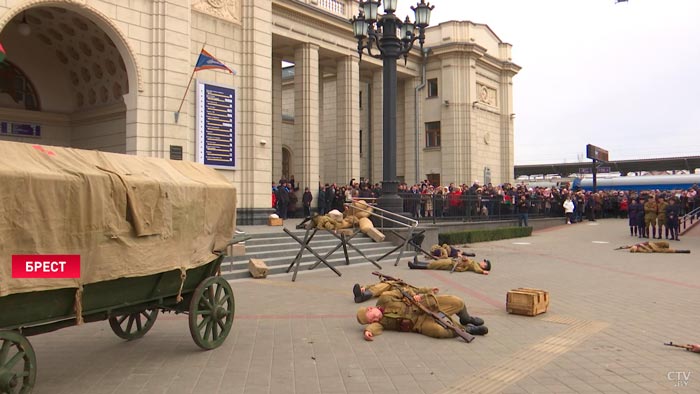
column 439, row 317
column 686, row 347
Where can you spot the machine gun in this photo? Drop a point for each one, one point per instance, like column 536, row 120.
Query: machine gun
column 686, row 347
column 439, row 317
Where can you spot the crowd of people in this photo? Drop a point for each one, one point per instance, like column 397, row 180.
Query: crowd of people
column 476, row 201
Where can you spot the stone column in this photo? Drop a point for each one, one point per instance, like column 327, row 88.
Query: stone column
column 348, row 119
column 276, row 118
column 412, row 164
column 255, row 96
column 306, row 114
column 507, row 128
column 377, row 121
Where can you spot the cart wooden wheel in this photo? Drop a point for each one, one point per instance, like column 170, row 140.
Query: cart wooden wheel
column 211, row 312
column 133, row 325
column 17, row 364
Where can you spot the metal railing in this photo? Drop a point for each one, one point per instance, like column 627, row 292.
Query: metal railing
column 469, row 208
column 397, row 221
column 687, row 221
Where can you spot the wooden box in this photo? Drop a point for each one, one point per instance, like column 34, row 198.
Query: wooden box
column 275, row 221
column 257, row 268
column 528, row 302
column 236, row 249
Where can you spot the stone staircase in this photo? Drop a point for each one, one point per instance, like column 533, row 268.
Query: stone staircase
column 278, row 250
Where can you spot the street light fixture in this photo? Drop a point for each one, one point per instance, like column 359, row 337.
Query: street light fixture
column 380, row 32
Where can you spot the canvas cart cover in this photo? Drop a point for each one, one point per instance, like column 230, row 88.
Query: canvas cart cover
column 124, row 215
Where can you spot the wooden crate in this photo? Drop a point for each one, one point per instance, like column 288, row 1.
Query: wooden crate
column 236, row 249
column 526, row 301
column 275, row 222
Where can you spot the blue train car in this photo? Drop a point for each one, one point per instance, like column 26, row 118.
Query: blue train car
column 640, row 183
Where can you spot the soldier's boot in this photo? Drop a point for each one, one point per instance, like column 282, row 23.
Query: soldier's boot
column 465, row 319
column 476, row 330
column 417, row 265
column 361, row 296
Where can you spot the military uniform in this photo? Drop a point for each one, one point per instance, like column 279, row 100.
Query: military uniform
column 661, row 216
column 654, row 247
column 650, row 212
column 401, row 315
column 463, row 264
column 377, row 289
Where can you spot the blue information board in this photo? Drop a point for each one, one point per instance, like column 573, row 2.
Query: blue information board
column 216, row 125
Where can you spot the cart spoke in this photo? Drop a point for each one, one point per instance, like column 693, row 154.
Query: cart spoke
column 137, row 318
column 207, row 331
column 210, row 296
column 221, row 324
column 203, row 312
column 205, row 320
column 214, row 333
column 205, row 304
column 217, row 297
column 4, row 350
column 10, row 364
column 130, row 324
column 121, row 319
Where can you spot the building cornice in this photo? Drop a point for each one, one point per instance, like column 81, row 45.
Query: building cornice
column 476, row 51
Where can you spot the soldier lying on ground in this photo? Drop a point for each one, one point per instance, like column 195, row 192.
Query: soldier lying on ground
column 652, row 247
column 447, row 251
column 463, row 264
column 364, row 293
column 393, row 313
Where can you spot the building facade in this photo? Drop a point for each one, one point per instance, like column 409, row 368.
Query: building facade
column 115, row 76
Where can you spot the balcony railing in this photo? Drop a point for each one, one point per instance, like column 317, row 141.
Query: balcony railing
column 333, row 6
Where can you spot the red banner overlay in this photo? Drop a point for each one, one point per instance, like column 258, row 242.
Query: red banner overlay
column 26, row 266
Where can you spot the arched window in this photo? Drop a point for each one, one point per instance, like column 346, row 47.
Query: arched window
column 15, row 83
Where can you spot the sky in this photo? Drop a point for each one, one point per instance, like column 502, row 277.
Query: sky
column 624, row 77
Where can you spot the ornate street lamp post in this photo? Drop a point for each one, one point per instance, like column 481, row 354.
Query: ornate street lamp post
column 380, row 32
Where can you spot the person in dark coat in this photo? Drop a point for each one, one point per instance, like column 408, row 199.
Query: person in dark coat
column 322, row 210
column 642, row 230
column 673, row 211
column 633, row 210
column 282, row 200
column 306, row 199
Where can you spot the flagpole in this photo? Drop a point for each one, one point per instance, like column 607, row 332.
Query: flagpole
column 194, row 69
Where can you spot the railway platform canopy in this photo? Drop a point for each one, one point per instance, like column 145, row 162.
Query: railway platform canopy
column 685, row 163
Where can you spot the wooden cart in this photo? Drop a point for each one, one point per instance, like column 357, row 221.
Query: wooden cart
column 131, row 305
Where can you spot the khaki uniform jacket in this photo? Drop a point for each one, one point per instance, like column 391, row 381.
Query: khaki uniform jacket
column 463, row 264
column 650, row 210
column 401, row 315
column 661, row 207
column 377, row 289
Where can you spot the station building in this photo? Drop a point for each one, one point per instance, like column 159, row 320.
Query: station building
column 115, row 76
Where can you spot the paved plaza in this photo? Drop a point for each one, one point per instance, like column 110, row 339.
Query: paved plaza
column 610, row 313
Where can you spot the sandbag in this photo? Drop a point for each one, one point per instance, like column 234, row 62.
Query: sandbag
column 257, row 268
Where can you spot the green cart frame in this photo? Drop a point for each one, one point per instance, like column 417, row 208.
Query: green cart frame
column 130, row 304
